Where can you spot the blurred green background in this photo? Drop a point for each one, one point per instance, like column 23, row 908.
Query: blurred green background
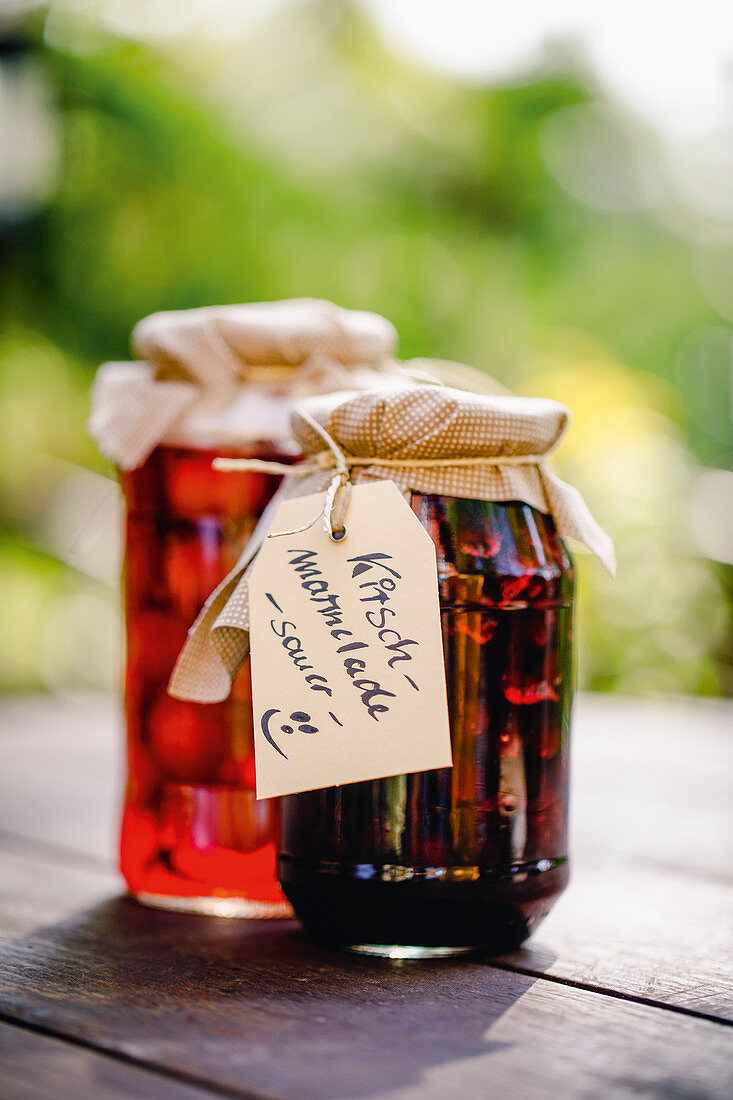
column 532, row 225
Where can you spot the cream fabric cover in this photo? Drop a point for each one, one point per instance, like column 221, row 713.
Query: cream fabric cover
column 420, row 423
column 195, row 361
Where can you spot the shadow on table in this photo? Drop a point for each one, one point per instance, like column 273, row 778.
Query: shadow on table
column 251, row 1005
column 532, row 957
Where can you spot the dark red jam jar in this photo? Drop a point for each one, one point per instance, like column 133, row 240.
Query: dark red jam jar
column 473, row 856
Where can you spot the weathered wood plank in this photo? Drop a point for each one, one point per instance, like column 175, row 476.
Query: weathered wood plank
column 61, row 776
column 635, row 919
column 251, row 1006
column 36, row 1067
column 643, row 931
column 39, row 890
column 637, row 931
column 654, row 781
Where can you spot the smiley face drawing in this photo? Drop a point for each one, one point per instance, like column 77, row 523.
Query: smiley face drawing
column 299, row 717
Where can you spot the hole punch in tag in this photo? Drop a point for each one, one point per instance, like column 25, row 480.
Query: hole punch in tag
column 348, row 673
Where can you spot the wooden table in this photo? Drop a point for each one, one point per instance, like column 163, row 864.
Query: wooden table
column 623, row 991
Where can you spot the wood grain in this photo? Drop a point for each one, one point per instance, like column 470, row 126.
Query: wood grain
column 642, row 931
column 61, row 779
column 42, row 889
column 654, row 781
column 649, row 912
column 36, row 1067
column 251, row 1006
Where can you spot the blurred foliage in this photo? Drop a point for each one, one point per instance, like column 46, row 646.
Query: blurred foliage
column 305, row 159
column 653, row 627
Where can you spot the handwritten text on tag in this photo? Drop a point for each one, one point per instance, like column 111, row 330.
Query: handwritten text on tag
column 348, row 677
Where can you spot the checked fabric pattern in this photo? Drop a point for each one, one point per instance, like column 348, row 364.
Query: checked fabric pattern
column 425, row 423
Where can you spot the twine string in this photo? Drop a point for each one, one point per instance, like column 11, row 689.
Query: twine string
column 340, row 485
column 303, row 469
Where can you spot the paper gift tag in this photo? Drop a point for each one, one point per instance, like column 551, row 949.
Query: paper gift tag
column 348, row 675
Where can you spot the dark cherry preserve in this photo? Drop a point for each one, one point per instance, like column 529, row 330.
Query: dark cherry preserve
column 193, row 834
column 471, row 856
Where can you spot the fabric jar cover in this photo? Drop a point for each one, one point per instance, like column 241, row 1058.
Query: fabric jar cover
column 428, row 423
column 217, row 372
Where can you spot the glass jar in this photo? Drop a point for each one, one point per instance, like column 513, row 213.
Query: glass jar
column 207, row 382
column 471, row 856
column 193, row 835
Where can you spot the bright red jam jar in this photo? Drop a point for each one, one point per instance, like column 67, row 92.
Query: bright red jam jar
column 210, row 382
column 193, row 835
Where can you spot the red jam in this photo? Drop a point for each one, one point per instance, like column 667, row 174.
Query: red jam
column 472, row 856
column 193, row 833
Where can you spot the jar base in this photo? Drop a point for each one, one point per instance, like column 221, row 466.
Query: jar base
column 492, row 911
column 242, row 908
column 405, row 951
